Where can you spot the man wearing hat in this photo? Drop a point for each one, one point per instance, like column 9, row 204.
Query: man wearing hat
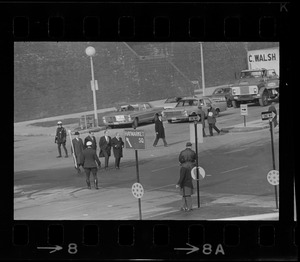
column 61, row 138
column 91, row 163
column 187, row 157
column 78, row 149
column 159, row 130
column 91, row 138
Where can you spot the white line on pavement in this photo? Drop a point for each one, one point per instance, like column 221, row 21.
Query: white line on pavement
column 253, row 217
column 159, row 169
column 234, row 169
column 159, row 187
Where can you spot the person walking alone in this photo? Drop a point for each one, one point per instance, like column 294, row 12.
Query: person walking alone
column 91, row 163
column 117, row 145
column 159, row 130
column 61, row 138
column 105, row 147
column 211, row 119
column 78, row 150
column 185, row 183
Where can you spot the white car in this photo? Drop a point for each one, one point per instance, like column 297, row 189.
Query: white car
column 171, row 102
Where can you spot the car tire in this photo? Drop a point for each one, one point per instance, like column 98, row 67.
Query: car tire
column 170, row 121
column 217, row 112
column 263, row 101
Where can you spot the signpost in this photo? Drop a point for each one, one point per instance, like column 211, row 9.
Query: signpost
column 135, row 139
column 196, row 133
column 244, row 112
column 270, row 115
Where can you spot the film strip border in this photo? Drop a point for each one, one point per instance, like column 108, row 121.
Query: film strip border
column 109, row 240
column 150, row 240
column 146, row 21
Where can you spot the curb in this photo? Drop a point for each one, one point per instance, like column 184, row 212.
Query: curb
column 242, row 129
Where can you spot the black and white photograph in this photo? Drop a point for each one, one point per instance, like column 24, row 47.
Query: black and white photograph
column 146, row 130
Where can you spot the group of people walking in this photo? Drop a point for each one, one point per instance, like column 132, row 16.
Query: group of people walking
column 85, row 152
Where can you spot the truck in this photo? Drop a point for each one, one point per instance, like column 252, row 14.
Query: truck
column 260, row 82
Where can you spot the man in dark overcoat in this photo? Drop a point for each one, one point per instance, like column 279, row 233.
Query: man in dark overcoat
column 105, row 147
column 78, row 149
column 211, row 119
column 91, row 163
column 91, row 138
column 159, row 130
column 117, row 145
column 61, row 138
column 185, row 183
column 187, row 157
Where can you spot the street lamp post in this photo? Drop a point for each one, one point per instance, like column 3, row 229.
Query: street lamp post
column 90, row 51
column 202, row 69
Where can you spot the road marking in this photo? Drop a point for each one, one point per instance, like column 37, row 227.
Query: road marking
column 253, row 217
column 236, row 150
column 234, row 169
column 160, row 187
column 159, row 169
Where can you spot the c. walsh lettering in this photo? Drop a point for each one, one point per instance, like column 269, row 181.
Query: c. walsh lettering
column 262, row 57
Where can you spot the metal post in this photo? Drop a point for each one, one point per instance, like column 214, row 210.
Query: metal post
column 244, row 120
column 94, row 92
column 202, row 69
column 196, row 147
column 273, row 158
column 138, row 179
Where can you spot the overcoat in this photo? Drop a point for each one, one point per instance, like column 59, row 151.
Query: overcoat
column 90, row 158
column 185, row 181
column 159, row 129
column 211, row 115
column 105, row 146
column 78, row 149
column 93, row 140
column 187, row 155
column 117, row 145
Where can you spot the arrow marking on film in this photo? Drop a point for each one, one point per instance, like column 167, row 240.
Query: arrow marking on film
column 191, row 248
column 127, row 139
column 56, row 248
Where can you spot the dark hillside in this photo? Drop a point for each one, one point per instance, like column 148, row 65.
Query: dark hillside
column 53, row 78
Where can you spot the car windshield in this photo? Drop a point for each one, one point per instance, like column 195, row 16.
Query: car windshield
column 129, row 108
column 172, row 100
column 219, row 91
column 191, row 102
column 251, row 74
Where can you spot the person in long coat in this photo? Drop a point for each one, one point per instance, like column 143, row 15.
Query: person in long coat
column 91, row 138
column 159, row 130
column 185, row 183
column 105, row 147
column 117, row 145
column 78, row 149
column 91, row 163
column 211, row 119
column 187, row 156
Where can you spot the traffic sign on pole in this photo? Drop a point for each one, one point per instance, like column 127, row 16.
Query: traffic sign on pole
column 134, row 139
column 244, row 109
column 267, row 115
column 201, row 171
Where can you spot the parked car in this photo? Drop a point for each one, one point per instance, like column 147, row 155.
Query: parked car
column 222, row 94
column 131, row 114
column 189, row 106
column 171, row 102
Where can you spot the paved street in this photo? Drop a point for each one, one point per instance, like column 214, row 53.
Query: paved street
column 236, row 165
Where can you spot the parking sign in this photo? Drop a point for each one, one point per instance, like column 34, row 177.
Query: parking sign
column 135, row 139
